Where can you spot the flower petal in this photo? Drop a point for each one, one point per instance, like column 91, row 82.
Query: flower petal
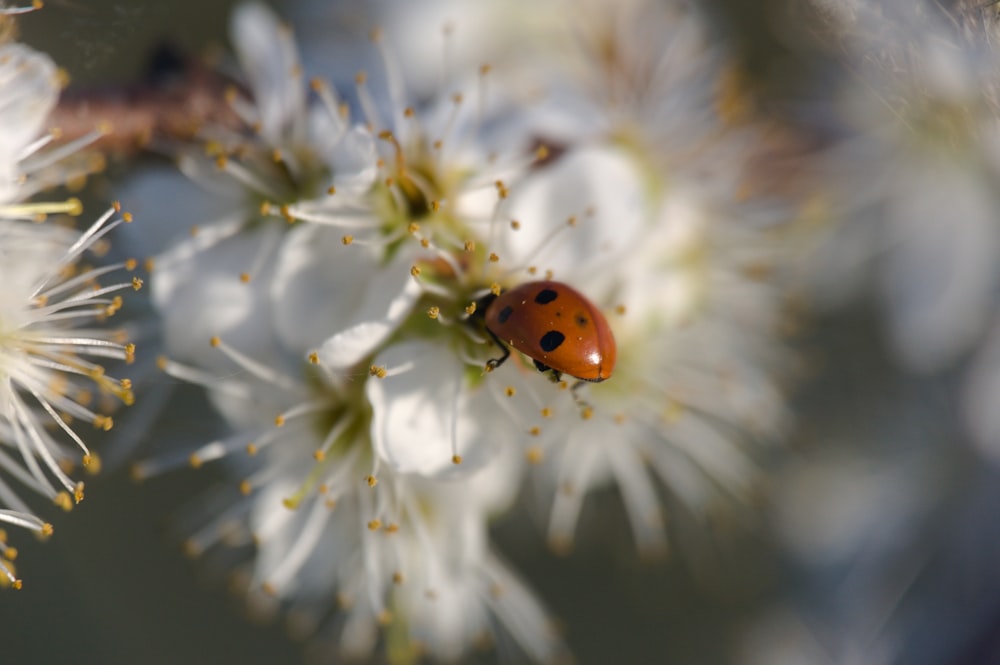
column 423, row 416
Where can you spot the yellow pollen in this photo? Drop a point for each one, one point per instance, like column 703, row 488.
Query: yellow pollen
column 548, row 274
column 360, row 78
column 194, row 461
column 510, row 391
column 104, row 423
column 413, row 228
column 515, row 225
column 374, row 525
column 78, row 493
column 397, row 578
column 47, row 529
column 493, row 257
column 220, row 162
column 245, row 277
column 502, row 190
column 276, row 156
column 415, row 271
column 542, row 153
column 546, row 412
column 11, row 554
column 470, row 245
column 371, row 480
column 435, row 205
column 149, row 264
column 378, row 371
column 136, row 283
column 131, row 264
column 265, row 208
column 619, row 418
column 391, row 528
column 456, row 459
column 534, row 455
column 587, row 413
column 437, row 144
column 127, row 218
column 252, row 449
column 532, row 270
column 620, row 310
column 535, row 431
column 313, row 358
column 470, row 309
column 269, row 589
column 279, row 420
column 286, row 212
column 408, row 112
column 215, row 341
column 434, row 311
column 347, row 240
column 425, row 243
column 292, row 503
column 331, row 190
column 495, row 289
column 456, row 98
column 485, row 69
column 319, row 455
column 317, row 84
column 161, row 363
column 245, row 487
column 193, row 231
column 63, row 501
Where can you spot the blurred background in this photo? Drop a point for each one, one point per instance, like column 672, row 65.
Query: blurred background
column 876, row 540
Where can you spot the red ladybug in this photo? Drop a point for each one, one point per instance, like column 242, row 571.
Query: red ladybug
column 556, row 326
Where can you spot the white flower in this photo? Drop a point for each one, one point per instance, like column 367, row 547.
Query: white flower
column 914, row 182
column 52, row 345
column 52, row 358
column 396, row 551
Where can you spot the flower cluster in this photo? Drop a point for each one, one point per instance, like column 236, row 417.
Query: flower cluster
column 333, row 295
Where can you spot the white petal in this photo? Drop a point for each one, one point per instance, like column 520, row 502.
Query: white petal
column 354, row 162
column 28, row 91
column 199, row 294
column 602, row 181
column 167, row 204
column 268, row 55
column 421, row 417
column 319, row 285
column 386, row 299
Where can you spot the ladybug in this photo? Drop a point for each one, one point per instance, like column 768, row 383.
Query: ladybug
column 556, row 326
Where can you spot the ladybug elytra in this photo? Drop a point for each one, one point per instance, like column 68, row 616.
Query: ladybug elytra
column 556, row 326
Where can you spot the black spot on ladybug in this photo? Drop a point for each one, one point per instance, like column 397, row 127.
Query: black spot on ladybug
column 551, row 340
column 505, row 314
column 545, row 296
column 581, row 320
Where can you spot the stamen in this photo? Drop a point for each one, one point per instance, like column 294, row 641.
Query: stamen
column 257, row 369
column 29, row 210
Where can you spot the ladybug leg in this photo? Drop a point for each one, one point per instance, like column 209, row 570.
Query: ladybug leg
column 493, row 363
column 574, row 390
